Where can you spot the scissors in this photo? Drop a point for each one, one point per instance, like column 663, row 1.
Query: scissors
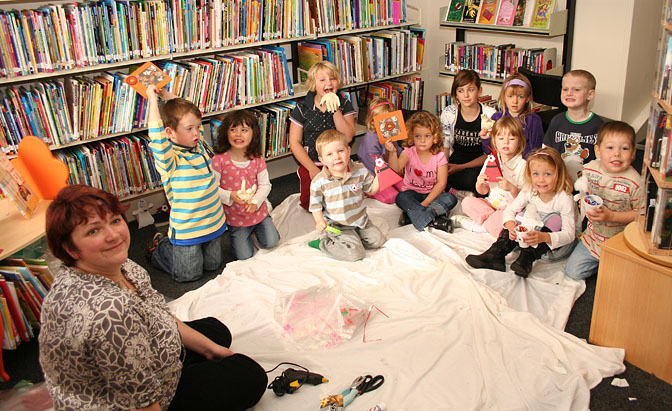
column 360, row 386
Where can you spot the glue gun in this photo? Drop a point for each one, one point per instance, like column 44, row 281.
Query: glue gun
column 299, row 377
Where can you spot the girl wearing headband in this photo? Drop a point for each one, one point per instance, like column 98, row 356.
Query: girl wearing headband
column 549, row 194
column 462, row 122
column 371, row 146
column 515, row 100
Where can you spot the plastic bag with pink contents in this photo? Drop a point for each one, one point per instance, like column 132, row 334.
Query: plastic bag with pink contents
column 320, row 317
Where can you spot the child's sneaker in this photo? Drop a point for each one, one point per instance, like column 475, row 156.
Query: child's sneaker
column 443, row 223
column 155, row 242
column 462, row 221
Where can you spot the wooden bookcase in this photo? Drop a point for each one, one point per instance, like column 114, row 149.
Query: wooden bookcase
column 561, row 24
column 299, row 90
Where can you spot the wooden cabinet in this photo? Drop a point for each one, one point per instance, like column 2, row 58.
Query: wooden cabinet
column 632, row 308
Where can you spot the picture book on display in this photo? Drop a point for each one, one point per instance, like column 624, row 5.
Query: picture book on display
column 506, row 13
column 471, row 8
column 542, row 12
column 390, row 127
column 519, row 19
column 488, row 12
column 455, row 11
column 145, row 75
column 14, row 186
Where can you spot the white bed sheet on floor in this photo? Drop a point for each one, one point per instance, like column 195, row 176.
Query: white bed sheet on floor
column 455, row 338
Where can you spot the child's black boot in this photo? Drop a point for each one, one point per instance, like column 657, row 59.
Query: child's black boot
column 493, row 257
column 442, row 222
column 523, row 265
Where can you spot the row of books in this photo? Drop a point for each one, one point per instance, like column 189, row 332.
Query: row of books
column 338, row 15
column 404, row 92
column 62, row 111
column 497, row 62
column 658, row 148
column 122, row 166
column 65, row 36
column 658, row 214
column 444, row 100
column 664, row 82
column 366, row 57
column 530, row 13
column 23, row 286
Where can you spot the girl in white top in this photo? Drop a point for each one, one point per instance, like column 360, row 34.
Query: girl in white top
column 485, row 214
column 549, row 189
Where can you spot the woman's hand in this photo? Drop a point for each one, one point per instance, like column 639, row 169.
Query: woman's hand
column 537, row 237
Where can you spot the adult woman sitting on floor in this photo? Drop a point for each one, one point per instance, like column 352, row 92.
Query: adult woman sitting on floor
column 108, row 340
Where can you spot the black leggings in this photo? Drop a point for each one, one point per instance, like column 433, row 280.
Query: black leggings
column 233, row 383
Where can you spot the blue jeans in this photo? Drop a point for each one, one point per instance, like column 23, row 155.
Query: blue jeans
column 241, row 237
column 582, row 263
column 409, row 201
column 187, row 262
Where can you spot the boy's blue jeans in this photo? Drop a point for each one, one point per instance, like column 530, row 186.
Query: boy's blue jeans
column 581, row 264
column 241, row 237
column 187, row 262
column 409, row 201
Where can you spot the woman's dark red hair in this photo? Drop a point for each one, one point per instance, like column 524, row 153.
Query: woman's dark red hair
column 72, row 206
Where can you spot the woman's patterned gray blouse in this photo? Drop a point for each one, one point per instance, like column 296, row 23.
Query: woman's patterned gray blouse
column 104, row 347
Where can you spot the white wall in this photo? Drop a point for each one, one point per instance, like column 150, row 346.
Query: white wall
column 614, row 40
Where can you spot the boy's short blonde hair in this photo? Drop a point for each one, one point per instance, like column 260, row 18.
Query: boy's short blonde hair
column 515, row 128
column 327, row 137
column 173, row 110
column 319, row 66
column 583, row 74
column 616, row 127
column 378, row 106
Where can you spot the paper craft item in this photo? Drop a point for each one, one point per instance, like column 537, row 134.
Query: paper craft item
column 145, row 75
column 492, row 168
column 13, row 186
column 390, row 127
column 44, row 173
column 386, row 176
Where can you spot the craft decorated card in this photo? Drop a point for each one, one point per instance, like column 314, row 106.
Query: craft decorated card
column 492, row 168
column 488, row 11
column 145, row 75
column 542, row 12
column 390, row 127
column 506, row 13
column 15, row 187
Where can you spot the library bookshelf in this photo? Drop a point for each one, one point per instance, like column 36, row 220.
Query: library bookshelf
column 559, row 25
column 298, row 25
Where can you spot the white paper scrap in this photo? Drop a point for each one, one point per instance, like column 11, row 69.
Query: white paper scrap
column 619, row 382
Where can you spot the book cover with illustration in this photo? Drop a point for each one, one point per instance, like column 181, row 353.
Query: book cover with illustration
column 471, row 8
column 390, row 127
column 145, row 75
column 542, row 12
column 506, row 13
column 488, row 12
column 455, row 11
column 519, row 18
column 15, row 188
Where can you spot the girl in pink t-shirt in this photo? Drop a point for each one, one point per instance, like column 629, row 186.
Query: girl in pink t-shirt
column 241, row 166
column 422, row 198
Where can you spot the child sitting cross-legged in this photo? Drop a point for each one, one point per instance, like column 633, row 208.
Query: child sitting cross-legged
column 612, row 178
column 485, row 214
column 549, row 192
column 337, row 201
column 423, row 162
